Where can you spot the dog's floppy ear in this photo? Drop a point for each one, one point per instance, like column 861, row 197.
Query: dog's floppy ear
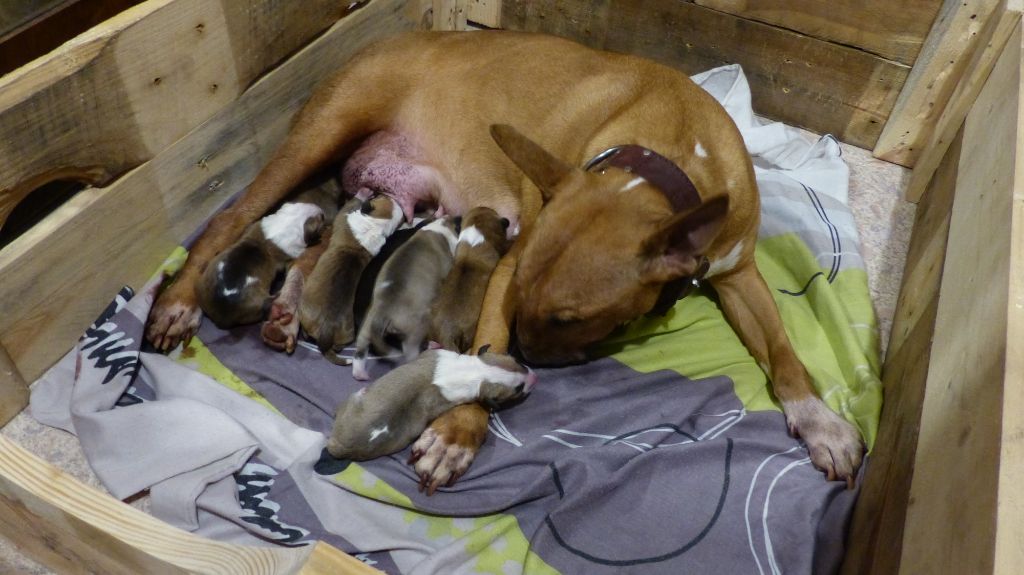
column 673, row 251
column 543, row 169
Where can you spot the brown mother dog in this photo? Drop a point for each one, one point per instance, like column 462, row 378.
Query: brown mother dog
column 606, row 242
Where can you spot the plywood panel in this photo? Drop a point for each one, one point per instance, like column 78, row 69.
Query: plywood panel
column 952, row 516
column 893, row 30
column 117, row 95
column 61, row 274
column 801, row 80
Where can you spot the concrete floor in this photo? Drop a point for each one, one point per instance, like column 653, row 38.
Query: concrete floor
column 884, row 221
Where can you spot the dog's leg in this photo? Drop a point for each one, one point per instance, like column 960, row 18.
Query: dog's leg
column 281, row 330
column 835, row 445
column 447, row 448
column 335, row 117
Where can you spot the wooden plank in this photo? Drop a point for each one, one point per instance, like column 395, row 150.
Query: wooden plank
column 61, row 274
column 995, row 36
column 1010, row 514
column 952, row 516
column 117, row 95
column 450, row 14
column 950, row 45
column 13, row 390
column 794, row 78
column 893, row 30
column 73, row 528
column 876, row 530
column 485, row 13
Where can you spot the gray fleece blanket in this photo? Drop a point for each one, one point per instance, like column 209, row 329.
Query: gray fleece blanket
column 667, row 454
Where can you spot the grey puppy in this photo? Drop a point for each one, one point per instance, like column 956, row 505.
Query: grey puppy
column 389, row 414
column 405, row 290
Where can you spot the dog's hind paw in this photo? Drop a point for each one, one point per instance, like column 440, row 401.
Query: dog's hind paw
column 281, row 330
column 438, row 463
column 173, row 319
column 834, row 444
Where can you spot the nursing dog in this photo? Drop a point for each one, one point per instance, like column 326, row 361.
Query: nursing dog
column 670, row 195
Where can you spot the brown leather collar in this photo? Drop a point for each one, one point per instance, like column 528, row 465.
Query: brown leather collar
column 671, row 180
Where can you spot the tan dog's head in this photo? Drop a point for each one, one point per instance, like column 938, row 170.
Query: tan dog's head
column 598, row 254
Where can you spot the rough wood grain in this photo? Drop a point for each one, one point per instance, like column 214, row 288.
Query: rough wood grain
column 950, row 45
column 485, row 12
column 1010, row 515
column 804, row 81
column 118, row 94
column 876, row 530
column 978, row 69
column 13, row 389
column 61, row 274
column 450, row 14
column 893, row 30
column 72, row 528
column 952, row 516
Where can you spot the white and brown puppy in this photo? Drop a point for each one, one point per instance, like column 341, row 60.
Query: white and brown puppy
column 482, row 242
column 235, row 288
column 389, row 414
column 326, row 310
column 405, row 290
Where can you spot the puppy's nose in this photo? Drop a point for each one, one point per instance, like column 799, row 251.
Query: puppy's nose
column 531, row 380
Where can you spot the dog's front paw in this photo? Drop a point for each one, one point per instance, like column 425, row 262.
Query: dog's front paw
column 834, row 444
column 174, row 318
column 447, row 448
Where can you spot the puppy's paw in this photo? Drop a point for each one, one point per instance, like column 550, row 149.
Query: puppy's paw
column 174, row 318
column 834, row 444
column 281, row 330
column 447, row 448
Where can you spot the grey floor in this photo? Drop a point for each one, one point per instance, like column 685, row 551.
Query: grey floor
column 883, row 219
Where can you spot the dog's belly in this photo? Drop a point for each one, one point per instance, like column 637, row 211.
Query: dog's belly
column 390, row 163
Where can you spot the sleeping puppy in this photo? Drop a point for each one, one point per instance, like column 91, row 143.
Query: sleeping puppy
column 359, row 233
column 235, row 289
column 404, row 293
column 389, row 414
column 482, row 242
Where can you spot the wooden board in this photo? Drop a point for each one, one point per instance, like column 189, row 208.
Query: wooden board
column 893, row 30
column 995, row 36
column 73, row 528
column 876, row 530
column 1010, row 514
column 62, row 273
column 485, row 12
column 952, row 514
column 119, row 94
column 794, row 78
column 13, row 389
column 950, row 46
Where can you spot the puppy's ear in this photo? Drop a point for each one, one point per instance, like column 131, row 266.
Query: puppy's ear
column 483, row 349
column 313, row 229
column 543, row 169
column 674, row 250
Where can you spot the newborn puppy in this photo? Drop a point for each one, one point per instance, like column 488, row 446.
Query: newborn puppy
column 481, row 244
column 235, row 288
column 325, row 312
column 392, row 412
column 405, row 290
